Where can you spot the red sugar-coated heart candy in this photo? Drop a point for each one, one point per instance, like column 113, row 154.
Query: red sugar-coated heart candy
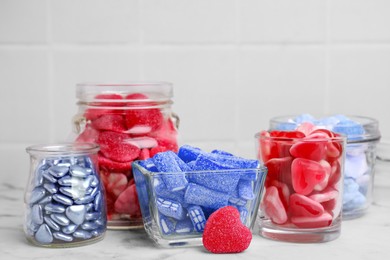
column 166, row 135
column 302, row 206
column 224, row 232
column 306, row 174
column 112, row 166
column 157, row 149
column 98, row 110
column 287, row 134
column 279, row 169
column 142, row 142
column 141, row 115
column 306, row 128
column 114, row 183
column 273, row 206
column 144, row 154
column 89, row 135
column 109, row 122
column 330, row 205
column 127, row 202
column 323, row 220
column 311, row 150
column 113, row 146
column 283, row 191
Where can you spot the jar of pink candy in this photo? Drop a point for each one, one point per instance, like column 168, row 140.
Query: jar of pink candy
column 363, row 136
column 129, row 121
column 303, row 188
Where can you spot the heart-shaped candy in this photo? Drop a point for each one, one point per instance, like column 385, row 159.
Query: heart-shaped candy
column 302, row 206
column 323, row 220
column 279, row 169
column 127, row 202
column 109, row 122
column 309, row 150
column 306, row 174
column 114, row 146
column 225, row 233
column 273, row 206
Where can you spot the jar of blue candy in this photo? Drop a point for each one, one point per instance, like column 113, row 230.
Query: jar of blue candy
column 363, row 135
column 64, row 198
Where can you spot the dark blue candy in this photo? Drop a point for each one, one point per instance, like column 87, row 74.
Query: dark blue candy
column 188, row 153
column 199, row 195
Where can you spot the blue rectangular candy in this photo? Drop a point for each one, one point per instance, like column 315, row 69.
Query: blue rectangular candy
column 199, row 195
column 197, row 217
column 184, row 226
column 167, row 225
column 189, row 153
column 170, row 208
column 245, row 190
column 167, row 163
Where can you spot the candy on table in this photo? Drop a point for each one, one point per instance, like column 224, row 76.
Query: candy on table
column 225, row 233
column 186, row 197
column 302, row 185
column 356, row 168
column 66, row 202
column 126, row 131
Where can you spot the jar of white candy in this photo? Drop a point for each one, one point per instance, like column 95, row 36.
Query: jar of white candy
column 64, row 198
column 362, row 138
column 129, row 121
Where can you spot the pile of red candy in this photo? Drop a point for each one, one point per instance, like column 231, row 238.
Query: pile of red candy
column 127, row 128
column 303, row 181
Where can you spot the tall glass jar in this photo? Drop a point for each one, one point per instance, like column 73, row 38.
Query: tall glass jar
column 130, row 121
column 64, row 198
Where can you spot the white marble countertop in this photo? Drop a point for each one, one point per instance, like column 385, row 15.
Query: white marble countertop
column 367, row 237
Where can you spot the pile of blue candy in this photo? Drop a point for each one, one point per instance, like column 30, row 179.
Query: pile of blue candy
column 66, row 204
column 192, row 184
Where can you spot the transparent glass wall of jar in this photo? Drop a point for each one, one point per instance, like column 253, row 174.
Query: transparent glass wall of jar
column 130, row 121
column 64, row 197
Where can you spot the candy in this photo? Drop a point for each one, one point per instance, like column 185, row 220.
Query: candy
column 109, row 122
column 302, row 186
column 58, row 206
column 114, row 146
column 210, row 181
column 224, row 232
column 127, row 202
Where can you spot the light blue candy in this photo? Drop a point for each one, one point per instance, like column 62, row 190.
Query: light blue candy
column 184, row 226
column 170, row 208
column 44, row 235
column 167, row 225
column 197, row 217
column 200, row 195
column 245, row 190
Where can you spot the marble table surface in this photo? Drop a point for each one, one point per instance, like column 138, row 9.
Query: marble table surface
column 367, row 237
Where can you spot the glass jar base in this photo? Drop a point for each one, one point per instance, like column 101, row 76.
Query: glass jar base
column 354, row 213
column 125, row 224
column 67, row 244
column 299, row 235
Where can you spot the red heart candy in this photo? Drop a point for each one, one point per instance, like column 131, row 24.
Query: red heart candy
column 157, row 149
column 324, row 183
column 113, row 145
column 283, row 191
column 306, row 174
column 309, row 150
column 166, row 135
column 141, row 115
column 323, row 220
column 306, row 128
column 98, row 110
column 327, row 198
column 112, row 166
column 114, row 183
column 303, row 206
column 335, row 173
column 89, row 135
column 224, row 232
column 109, row 122
column 144, row 154
column 279, row 169
column 127, row 202
column 273, row 206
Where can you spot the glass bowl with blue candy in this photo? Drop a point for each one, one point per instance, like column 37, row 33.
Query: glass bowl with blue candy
column 363, row 136
column 178, row 192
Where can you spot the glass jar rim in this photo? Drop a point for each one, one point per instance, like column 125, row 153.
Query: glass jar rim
column 339, row 138
column 87, row 91
column 370, row 125
column 64, row 149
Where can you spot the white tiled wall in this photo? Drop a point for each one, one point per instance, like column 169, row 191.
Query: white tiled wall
column 234, row 63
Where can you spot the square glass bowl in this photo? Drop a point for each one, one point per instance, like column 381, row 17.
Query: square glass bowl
column 177, row 218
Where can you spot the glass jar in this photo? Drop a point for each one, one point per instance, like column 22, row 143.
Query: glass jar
column 64, row 198
column 303, row 188
column 129, row 121
column 382, row 170
column 362, row 138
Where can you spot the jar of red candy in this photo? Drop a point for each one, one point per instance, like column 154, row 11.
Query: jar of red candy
column 304, row 185
column 131, row 121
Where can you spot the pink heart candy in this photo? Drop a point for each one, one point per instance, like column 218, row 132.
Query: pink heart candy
column 306, row 174
column 309, row 150
column 273, row 206
column 323, row 220
column 302, row 206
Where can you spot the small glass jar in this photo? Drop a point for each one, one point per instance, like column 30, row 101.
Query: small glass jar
column 64, row 198
column 129, row 121
column 362, row 138
column 303, row 188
